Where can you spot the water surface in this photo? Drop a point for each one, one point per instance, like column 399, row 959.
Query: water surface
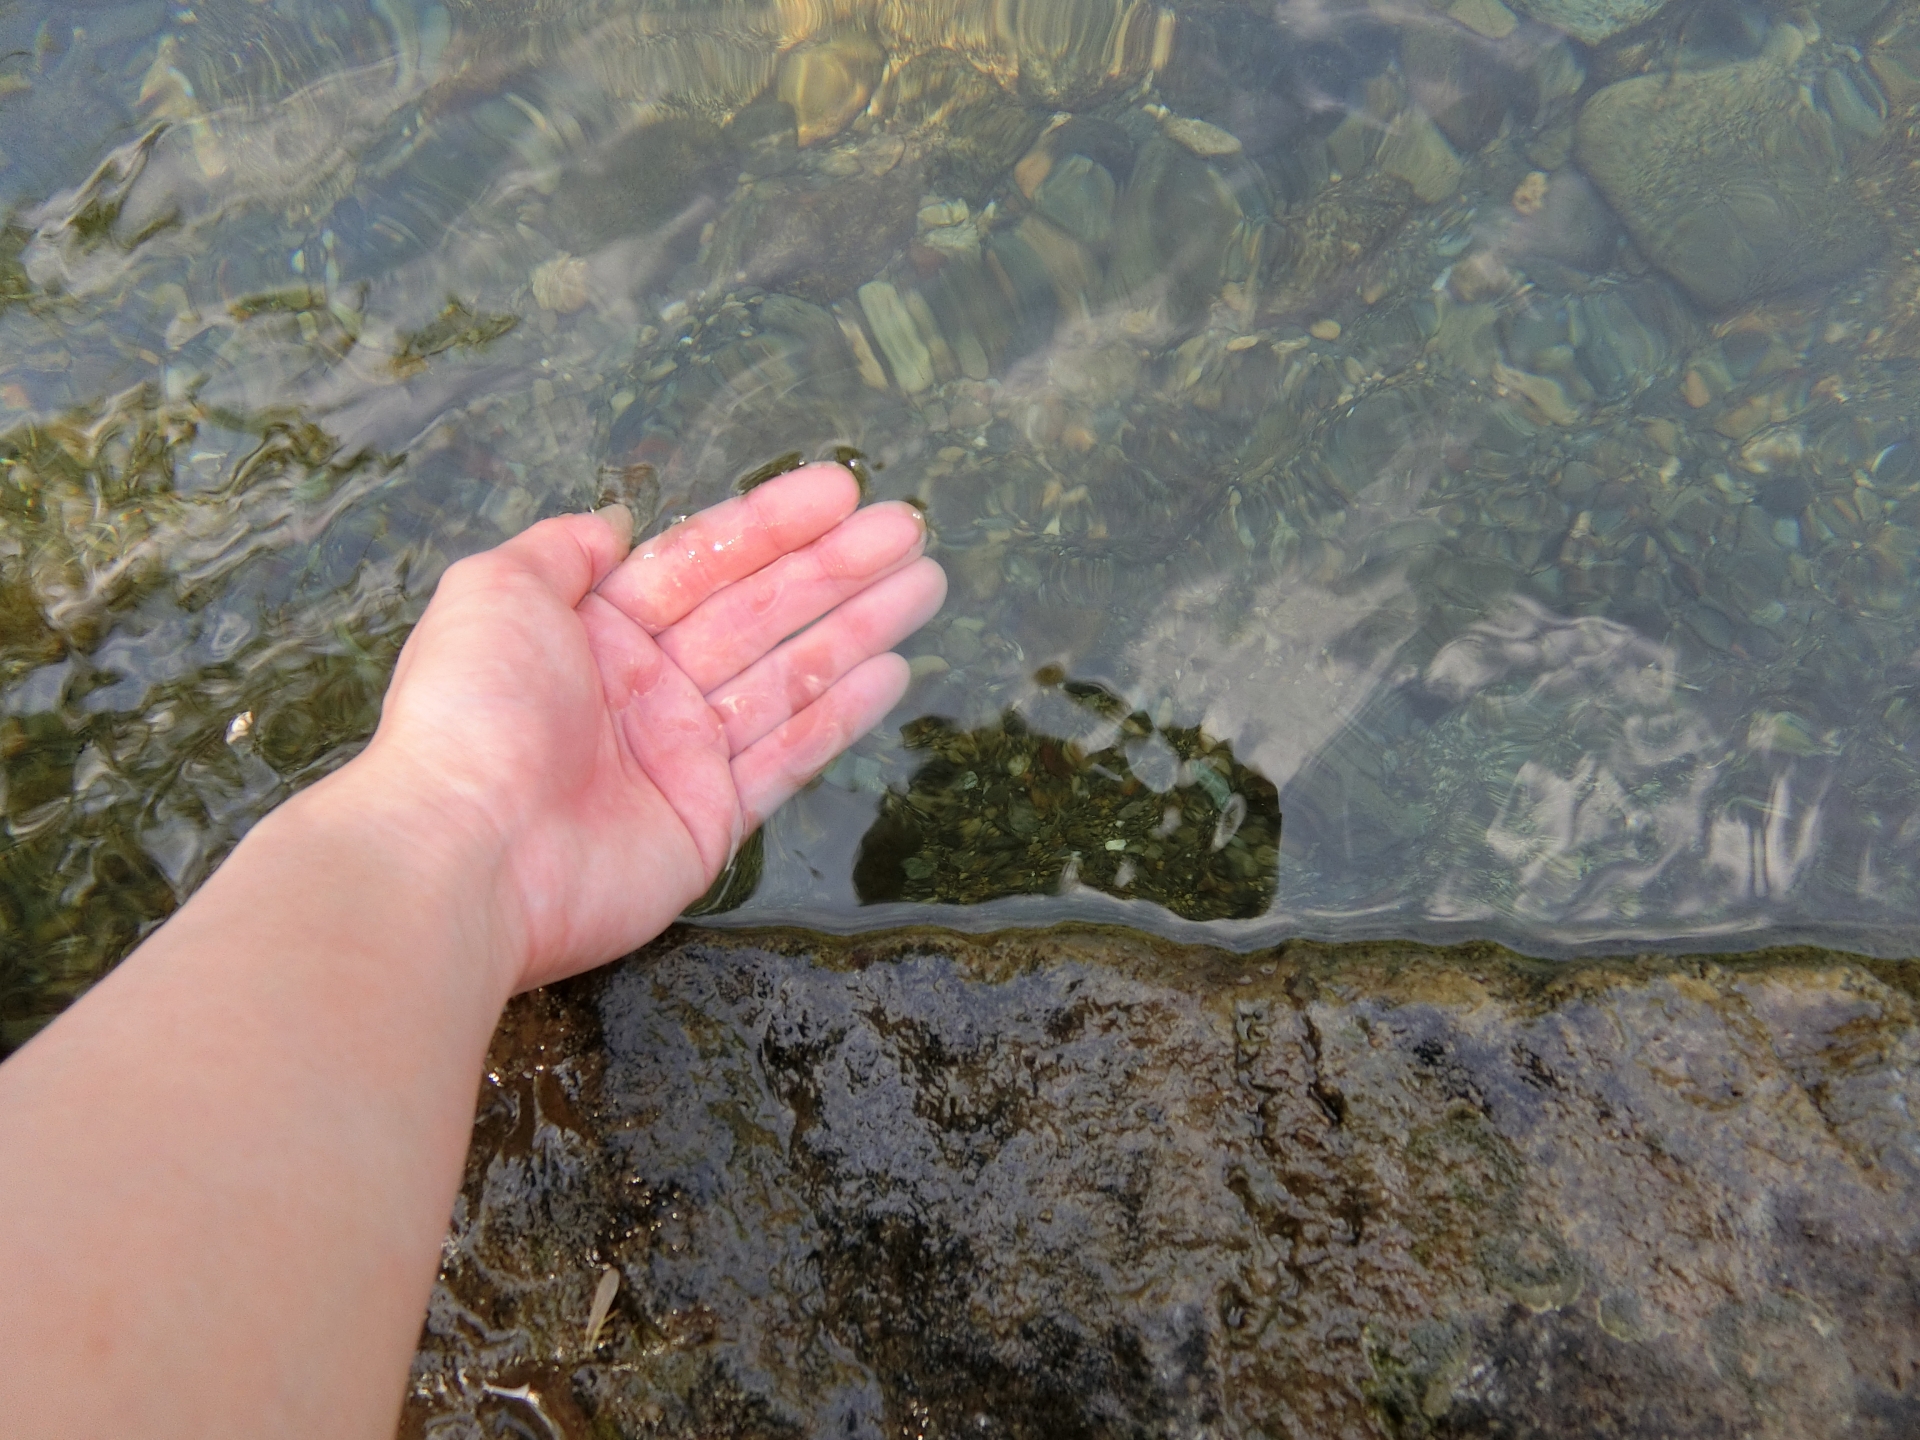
column 1403, row 470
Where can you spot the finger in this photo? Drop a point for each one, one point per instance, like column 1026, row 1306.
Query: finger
column 667, row 576
column 670, row 730
column 748, row 618
column 618, row 519
column 568, row 554
column 794, row 676
column 767, row 772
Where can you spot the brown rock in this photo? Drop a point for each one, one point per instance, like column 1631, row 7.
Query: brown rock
column 1087, row 1184
column 816, row 242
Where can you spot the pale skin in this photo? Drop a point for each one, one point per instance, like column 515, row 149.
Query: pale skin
column 228, row 1168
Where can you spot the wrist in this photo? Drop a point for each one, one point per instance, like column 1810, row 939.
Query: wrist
column 383, row 855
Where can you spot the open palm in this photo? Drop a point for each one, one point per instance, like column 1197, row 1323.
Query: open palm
column 614, row 725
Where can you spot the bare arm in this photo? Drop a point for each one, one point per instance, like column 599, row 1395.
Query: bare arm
column 227, row 1169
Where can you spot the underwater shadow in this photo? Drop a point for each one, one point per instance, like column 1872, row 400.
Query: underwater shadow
column 1137, row 811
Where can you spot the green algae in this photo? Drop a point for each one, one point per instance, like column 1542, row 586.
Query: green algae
column 1001, row 810
column 458, row 326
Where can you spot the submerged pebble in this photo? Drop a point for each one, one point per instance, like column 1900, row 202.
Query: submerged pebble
column 1591, row 21
column 828, row 81
column 561, row 284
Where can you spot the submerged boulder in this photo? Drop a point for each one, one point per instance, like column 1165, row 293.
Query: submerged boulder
column 1727, row 180
column 1089, row 1185
column 1592, row 21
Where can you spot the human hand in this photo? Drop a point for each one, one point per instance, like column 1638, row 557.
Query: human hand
column 574, row 742
column 609, row 727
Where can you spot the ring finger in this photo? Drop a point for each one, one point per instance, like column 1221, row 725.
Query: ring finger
column 790, row 678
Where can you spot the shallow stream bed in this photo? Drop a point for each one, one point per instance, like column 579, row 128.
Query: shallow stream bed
column 1417, row 472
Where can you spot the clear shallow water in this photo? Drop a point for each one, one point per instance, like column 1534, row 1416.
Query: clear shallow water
column 1492, row 448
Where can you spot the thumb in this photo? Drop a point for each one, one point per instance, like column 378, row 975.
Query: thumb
column 572, row 553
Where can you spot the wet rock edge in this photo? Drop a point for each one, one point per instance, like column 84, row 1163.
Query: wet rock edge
column 1468, row 1372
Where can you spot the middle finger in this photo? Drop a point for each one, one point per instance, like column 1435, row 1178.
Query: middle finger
column 727, row 633
column 781, row 684
column 668, row 576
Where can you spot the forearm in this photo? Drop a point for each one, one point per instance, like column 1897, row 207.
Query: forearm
column 245, row 1142
column 225, row 1172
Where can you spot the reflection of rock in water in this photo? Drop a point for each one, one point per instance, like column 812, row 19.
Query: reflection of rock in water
column 1163, row 815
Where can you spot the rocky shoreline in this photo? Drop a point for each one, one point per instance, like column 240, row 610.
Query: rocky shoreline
column 1082, row 1183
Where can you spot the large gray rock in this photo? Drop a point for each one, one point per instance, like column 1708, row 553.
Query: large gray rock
column 1727, row 180
column 1084, row 1185
column 1591, row 20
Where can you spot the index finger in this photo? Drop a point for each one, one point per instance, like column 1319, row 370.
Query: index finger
column 669, row 575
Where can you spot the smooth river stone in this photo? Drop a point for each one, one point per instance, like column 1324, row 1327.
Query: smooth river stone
column 1085, row 1184
column 1078, row 196
column 1414, row 150
column 1727, row 181
column 1591, row 20
column 828, row 82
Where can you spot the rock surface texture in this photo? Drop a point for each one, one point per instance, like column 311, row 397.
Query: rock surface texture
column 1592, row 21
column 1078, row 1185
column 1727, row 181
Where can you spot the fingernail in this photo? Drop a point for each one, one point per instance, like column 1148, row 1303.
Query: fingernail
column 619, row 519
